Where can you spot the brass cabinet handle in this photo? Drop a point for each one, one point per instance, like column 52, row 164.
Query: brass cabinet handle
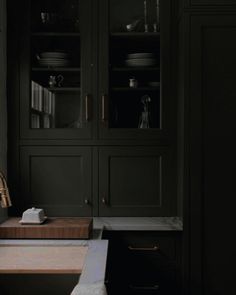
column 104, row 107
column 87, row 107
column 147, row 288
column 154, row 248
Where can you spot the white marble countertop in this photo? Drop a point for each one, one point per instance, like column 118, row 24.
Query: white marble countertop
column 138, row 223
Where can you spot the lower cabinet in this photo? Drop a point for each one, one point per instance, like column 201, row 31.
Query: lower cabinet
column 103, row 181
column 143, row 262
column 136, row 181
column 57, row 179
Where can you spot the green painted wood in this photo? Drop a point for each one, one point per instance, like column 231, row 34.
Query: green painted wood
column 212, row 153
column 85, row 130
column 3, row 97
column 107, row 25
column 136, row 181
column 57, row 179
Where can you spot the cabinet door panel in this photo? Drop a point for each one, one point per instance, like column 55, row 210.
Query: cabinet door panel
column 54, row 54
column 136, row 181
column 212, row 153
column 56, row 179
column 140, row 109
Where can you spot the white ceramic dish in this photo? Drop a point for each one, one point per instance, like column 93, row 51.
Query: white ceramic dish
column 53, row 54
column 140, row 62
column 54, row 63
column 140, row 55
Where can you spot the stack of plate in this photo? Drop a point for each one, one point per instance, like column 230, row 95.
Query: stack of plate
column 53, row 59
column 143, row 59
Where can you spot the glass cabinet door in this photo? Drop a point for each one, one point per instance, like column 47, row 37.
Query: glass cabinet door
column 132, row 62
column 57, row 52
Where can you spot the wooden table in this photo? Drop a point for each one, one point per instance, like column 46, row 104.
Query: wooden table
column 42, row 259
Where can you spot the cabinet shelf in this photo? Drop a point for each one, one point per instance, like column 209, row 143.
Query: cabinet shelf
column 132, row 69
column 64, row 89
column 135, row 89
column 55, row 69
column 55, row 34
column 135, row 35
column 41, row 113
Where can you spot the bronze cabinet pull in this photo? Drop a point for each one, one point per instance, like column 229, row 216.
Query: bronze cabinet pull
column 104, row 107
column 87, row 107
column 154, row 248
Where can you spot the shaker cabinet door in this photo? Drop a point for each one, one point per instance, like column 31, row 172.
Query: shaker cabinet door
column 136, row 181
column 57, row 179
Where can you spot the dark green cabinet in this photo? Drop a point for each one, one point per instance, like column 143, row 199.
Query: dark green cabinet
column 136, row 181
column 210, row 145
column 75, row 77
column 143, row 262
column 55, row 68
column 58, row 179
column 72, row 69
column 143, row 56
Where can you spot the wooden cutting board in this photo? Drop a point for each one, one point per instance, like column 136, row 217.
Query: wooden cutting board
column 52, row 228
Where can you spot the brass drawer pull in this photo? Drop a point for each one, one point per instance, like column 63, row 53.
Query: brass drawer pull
column 154, row 248
column 104, row 107
column 87, row 107
column 145, row 288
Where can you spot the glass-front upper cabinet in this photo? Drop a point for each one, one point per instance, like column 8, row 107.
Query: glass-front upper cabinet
column 56, row 53
column 134, row 67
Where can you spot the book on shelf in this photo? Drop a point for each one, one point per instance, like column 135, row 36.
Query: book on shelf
column 35, row 121
column 36, row 96
column 46, row 121
column 42, row 99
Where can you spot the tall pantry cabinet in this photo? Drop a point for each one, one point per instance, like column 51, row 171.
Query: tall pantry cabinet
column 207, row 96
column 92, row 107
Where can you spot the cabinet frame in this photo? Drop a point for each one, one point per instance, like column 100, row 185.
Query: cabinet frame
column 167, row 97
column 87, row 66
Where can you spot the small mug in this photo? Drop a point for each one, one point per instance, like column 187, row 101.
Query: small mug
column 133, row 83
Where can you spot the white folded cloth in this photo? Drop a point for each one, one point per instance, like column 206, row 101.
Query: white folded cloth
column 90, row 289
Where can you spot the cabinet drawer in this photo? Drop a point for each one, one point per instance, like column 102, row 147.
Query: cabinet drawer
column 144, row 244
column 145, row 262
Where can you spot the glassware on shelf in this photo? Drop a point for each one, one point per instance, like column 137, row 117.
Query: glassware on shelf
column 54, row 81
column 145, row 17
column 156, row 25
column 136, row 25
column 145, row 114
